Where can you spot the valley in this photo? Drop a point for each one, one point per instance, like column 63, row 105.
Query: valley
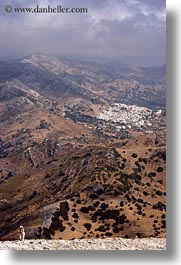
column 82, row 149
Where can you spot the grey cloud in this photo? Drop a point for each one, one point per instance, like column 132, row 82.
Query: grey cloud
column 111, row 29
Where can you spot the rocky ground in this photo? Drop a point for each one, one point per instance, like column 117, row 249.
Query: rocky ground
column 90, row 244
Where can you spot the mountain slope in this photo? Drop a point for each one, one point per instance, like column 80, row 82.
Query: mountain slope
column 91, row 192
column 69, row 166
column 65, row 78
column 144, row 75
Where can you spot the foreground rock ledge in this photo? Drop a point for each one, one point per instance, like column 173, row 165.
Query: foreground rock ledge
column 89, row 244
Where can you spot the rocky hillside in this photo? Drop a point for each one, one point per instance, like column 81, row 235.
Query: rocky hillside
column 93, row 191
column 66, row 78
column 69, row 166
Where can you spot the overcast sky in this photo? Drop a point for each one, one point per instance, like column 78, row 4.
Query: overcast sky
column 131, row 31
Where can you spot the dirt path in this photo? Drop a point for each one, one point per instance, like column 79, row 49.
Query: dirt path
column 90, row 244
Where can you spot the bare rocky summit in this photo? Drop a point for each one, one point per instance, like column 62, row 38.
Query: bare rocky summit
column 90, row 244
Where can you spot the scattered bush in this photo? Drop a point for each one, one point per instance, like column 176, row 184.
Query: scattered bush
column 108, row 234
column 46, row 233
column 140, row 159
column 145, row 160
column 160, row 181
column 136, row 189
column 137, row 164
column 139, row 212
column 163, row 216
column 159, row 193
column 84, row 209
column 96, row 204
column 159, row 206
column 161, row 155
column 64, row 208
column 44, row 125
column 116, row 229
column 151, row 174
column 122, row 203
column 87, row 226
column 159, row 169
column 145, row 193
column 101, row 228
column 93, row 196
column 163, row 224
column 75, row 215
column 78, row 201
column 104, row 206
column 140, row 200
column 137, row 178
column 138, row 235
column 123, row 166
column 91, row 208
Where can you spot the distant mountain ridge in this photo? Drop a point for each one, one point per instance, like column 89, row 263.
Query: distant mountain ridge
column 66, row 78
column 145, row 75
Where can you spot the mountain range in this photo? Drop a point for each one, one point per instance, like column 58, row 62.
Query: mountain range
column 65, row 172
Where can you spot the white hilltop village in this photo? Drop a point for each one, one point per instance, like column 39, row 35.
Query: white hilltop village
column 129, row 116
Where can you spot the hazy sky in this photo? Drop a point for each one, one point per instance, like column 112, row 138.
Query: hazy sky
column 132, row 31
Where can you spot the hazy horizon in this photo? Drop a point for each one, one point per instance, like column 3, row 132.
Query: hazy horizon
column 84, row 59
